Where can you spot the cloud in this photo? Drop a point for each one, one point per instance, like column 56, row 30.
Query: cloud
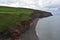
column 8, row 3
column 30, row 3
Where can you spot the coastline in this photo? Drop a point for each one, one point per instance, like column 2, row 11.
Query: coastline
column 31, row 33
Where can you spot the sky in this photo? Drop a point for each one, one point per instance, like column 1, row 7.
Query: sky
column 45, row 5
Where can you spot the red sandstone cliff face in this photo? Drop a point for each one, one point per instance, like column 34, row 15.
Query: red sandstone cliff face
column 25, row 25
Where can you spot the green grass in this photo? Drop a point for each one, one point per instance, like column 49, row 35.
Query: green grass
column 10, row 16
column 11, row 10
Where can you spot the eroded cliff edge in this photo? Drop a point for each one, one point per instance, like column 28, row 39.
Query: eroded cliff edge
column 27, row 28
column 17, row 21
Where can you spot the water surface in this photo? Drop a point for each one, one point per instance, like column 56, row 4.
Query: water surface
column 48, row 28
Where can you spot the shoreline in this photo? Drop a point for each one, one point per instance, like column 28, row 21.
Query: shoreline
column 31, row 33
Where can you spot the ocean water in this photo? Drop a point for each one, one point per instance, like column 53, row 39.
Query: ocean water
column 48, row 28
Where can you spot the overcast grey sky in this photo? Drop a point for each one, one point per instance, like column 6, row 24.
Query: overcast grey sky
column 46, row 5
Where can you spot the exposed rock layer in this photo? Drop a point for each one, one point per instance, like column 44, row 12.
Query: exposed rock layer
column 30, row 25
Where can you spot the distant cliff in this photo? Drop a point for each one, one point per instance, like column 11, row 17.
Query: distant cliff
column 40, row 14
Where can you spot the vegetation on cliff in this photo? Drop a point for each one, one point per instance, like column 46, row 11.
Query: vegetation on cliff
column 10, row 17
column 17, row 20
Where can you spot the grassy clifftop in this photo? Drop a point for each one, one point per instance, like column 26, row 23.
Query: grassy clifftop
column 14, row 21
column 12, row 10
column 10, row 16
